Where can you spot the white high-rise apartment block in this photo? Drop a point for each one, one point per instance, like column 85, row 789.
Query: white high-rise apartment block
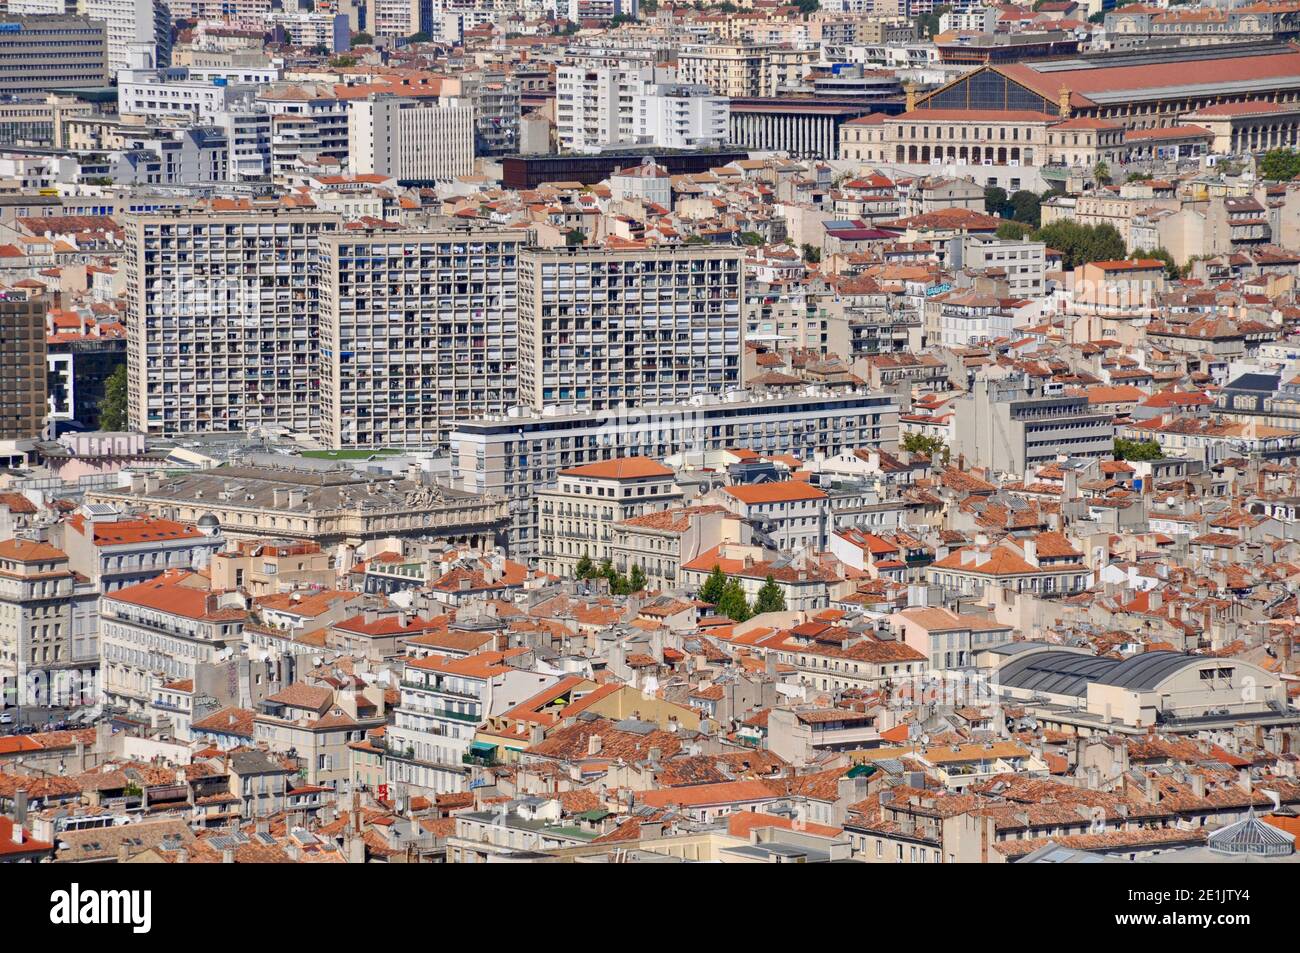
column 164, row 93
column 223, row 321
column 134, row 27
column 418, row 329
column 411, row 139
column 681, row 116
column 601, row 106
column 248, row 138
column 600, row 328
column 594, row 107
column 394, row 18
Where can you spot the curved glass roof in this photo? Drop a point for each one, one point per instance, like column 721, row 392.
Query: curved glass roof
column 1054, row 672
column 1144, row 672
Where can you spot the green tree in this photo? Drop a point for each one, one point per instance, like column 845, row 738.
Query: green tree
column 995, row 200
column 575, row 236
column 812, row 254
column 585, row 568
column 713, row 588
column 1280, row 165
column 636, row 579
column 808, row 6
column 418, row 38
column 697, row 240
column 362, row 39
column 112, row 408
column 1105, row 244
column 733, row 603
column 923, row 443
column 751, row 238
column 770, row 598
column 1015, row 231
column 1101, row 173
column 1026, row 207
column 618, row 583
column 927, row 24
column 1172, row 269
column 1137, row 449
column 1079, row 244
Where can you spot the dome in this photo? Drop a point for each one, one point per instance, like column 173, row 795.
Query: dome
column 1252, row 836
column 208, row 524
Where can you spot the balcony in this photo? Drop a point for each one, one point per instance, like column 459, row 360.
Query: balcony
column 456, row 715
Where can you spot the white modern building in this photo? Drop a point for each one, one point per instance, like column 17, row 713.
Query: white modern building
column 308, row 121
column 418, row 329
column 603, row 328
column 138, row 31
column 315, row 29
column 595, row 106
column 179, row 91
column 224, row 314
column 681, row 116
column 423, row 140
column 248, row 141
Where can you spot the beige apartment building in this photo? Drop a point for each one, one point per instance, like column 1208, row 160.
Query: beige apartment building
column 164, row 629
column 418, row 329
column 729, row 69
column 267, row 567
column 318, row 723
column 224, row 319
column 47, row 624
column 742, row 69
column 662, row 540
column 600, row 328
column 578, row 515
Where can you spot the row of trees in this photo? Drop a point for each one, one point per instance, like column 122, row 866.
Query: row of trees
column 619, row 584
column 1126, row 449
column 1080, row 244
column 727, row 595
